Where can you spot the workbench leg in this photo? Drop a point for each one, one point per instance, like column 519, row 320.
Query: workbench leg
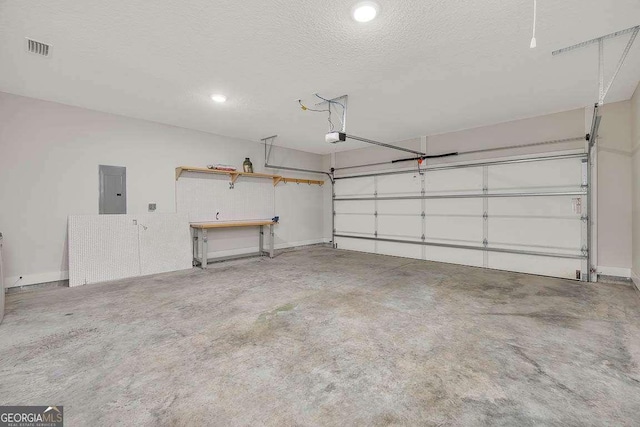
column 261, row 246
column 194, row 246
column 271, row 240
column 204, row 248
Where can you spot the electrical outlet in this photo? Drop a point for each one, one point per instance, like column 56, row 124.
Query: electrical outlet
column 152, row 207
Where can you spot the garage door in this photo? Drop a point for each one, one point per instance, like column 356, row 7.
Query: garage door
column 525, row 215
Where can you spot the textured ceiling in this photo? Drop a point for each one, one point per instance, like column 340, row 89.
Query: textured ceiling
column 423, row 67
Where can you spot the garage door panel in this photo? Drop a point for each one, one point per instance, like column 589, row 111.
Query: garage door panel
column 473, row 258
column 535, row 176
column 549, row 207
column 355, row 207
column 400, row 249
column 546, row 266
column 354, row 187
column 548, row 224
column 356, row 244
column 399, row 207
column 541, row 233
column 454, row 207
column 467, row 180
column 355, row 224
column 399, row 185
column 403, row 227
column 454, row 228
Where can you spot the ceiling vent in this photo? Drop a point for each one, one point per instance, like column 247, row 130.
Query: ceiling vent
column 38, row 48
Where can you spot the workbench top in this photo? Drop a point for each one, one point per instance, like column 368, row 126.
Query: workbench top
column 228, row 224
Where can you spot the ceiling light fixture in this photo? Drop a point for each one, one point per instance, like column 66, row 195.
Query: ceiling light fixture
column 219, row 98
column 365, row 11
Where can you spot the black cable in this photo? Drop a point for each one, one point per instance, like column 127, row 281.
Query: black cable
column 435, row 156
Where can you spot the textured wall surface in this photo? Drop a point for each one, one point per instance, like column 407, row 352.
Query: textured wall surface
column 49, row 157
column 205, row 198
column 614, row 190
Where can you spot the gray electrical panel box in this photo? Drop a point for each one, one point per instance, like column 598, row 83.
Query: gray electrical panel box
column 113, row 190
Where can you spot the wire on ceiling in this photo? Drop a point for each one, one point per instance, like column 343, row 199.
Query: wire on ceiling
column 328, row 110
column 330, row 102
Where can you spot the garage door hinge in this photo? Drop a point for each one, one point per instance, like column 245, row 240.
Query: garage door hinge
column 485, row 189
column 585, row 251
column 423, row 238
column 423, row 192
column 231, row 186
column 485, row 243
column 375, row 213
column 485, row 215
column 584, row 218
column 375, row 233
column 423, row 214
column 375, row 194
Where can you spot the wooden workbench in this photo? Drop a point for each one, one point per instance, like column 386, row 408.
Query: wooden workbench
column 200, row 238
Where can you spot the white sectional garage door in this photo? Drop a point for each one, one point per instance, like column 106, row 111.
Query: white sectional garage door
column 526, row 215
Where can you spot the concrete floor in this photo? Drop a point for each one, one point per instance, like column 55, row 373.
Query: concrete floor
column 326, row 337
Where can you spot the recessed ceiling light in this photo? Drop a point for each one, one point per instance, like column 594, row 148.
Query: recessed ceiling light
column 219, row 98
column 365, row 11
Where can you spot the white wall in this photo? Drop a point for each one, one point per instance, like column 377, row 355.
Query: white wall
column 49, row 157
column 614, row 168
column 635, row 141
column 614, row 190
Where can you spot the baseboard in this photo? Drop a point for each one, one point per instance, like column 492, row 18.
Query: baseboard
column 636, row 279
column 615, row 272
column 35, row 279
column 37, row 287
column 58, row 276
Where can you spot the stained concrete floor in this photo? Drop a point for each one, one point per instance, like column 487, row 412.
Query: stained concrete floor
column 326, row 337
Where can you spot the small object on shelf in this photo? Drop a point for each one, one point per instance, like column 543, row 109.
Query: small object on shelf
column 247, row 166
column 219, row 167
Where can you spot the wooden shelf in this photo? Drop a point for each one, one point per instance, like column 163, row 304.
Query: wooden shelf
column 234, row 175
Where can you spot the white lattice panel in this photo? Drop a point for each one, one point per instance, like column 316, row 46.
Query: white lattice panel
column 165, row 243
column 102, row 247
column 111, row 247
column 202, row 196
